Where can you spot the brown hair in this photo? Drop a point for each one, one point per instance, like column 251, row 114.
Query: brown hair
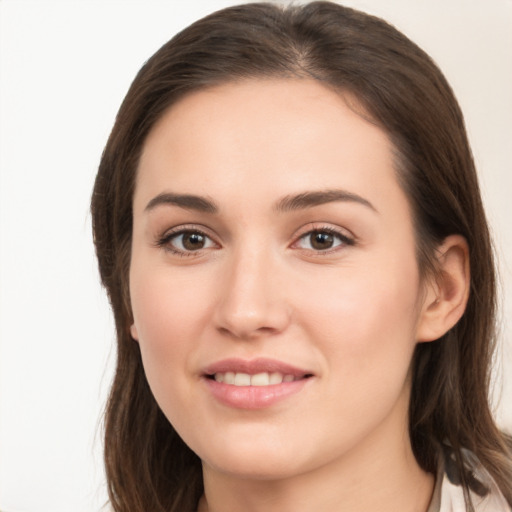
column 401, row 90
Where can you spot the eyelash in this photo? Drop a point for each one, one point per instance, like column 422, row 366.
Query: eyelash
column 165, row 240
column 343, row 238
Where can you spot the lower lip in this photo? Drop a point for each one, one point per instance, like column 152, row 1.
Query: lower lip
column 254, row 397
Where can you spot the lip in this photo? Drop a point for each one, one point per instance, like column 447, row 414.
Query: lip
column 254, row 366
column 254, row 397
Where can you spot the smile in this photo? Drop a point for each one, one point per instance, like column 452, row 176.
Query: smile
column 255, row 384
column 259, row 379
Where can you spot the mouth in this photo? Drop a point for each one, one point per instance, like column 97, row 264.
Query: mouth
column 255, row 384
column 261, row 379
column 255, row 372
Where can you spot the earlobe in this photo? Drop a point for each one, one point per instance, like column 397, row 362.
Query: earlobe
column 447, row 294
column 134, row 333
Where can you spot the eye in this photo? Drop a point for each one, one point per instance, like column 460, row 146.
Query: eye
column 323, row 240
column 186, row 241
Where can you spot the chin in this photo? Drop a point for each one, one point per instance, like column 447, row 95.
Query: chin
column 268, row 459
column 256, row 468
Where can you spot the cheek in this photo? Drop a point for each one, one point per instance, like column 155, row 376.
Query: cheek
column 363, row 324
column 168, row 315
column 366, row 318
column 166, row 305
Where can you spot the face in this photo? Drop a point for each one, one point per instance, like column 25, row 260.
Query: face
column 274, row 284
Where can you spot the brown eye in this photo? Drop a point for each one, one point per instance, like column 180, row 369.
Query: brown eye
column 187, row 241
column 323, row 240
column 193, row 241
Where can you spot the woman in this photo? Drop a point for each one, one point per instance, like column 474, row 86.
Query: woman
column 289, row 226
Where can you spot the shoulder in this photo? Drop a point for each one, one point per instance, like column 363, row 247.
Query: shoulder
column 485, row 496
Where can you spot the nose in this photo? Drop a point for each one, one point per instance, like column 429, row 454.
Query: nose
column 252, row 301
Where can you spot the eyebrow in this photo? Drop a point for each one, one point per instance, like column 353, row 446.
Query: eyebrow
column 286, row 204
column 187, row 201
column 310, row 199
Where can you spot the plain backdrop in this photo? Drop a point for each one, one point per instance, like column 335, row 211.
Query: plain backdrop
column 65, row 67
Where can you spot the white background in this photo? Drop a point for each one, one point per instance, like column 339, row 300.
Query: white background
column 65, row 67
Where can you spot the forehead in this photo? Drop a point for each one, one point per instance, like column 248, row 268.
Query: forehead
column 268, row 136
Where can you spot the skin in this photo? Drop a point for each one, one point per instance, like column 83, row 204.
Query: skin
column 351, row 314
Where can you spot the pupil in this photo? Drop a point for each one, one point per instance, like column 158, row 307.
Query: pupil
column 193, row 241
column 321, row 240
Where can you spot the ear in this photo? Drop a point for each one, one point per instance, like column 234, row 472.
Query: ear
column 134, row 333
column 446, row 294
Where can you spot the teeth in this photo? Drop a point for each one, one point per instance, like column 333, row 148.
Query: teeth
column 276, row 378
column 259, row 379
column 242, row 379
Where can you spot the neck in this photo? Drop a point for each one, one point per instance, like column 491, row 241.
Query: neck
column 381, row 473
column 411, row 493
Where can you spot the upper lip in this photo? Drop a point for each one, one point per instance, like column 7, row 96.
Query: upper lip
column 255, row 366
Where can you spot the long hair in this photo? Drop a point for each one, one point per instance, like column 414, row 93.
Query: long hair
column 400, row 89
